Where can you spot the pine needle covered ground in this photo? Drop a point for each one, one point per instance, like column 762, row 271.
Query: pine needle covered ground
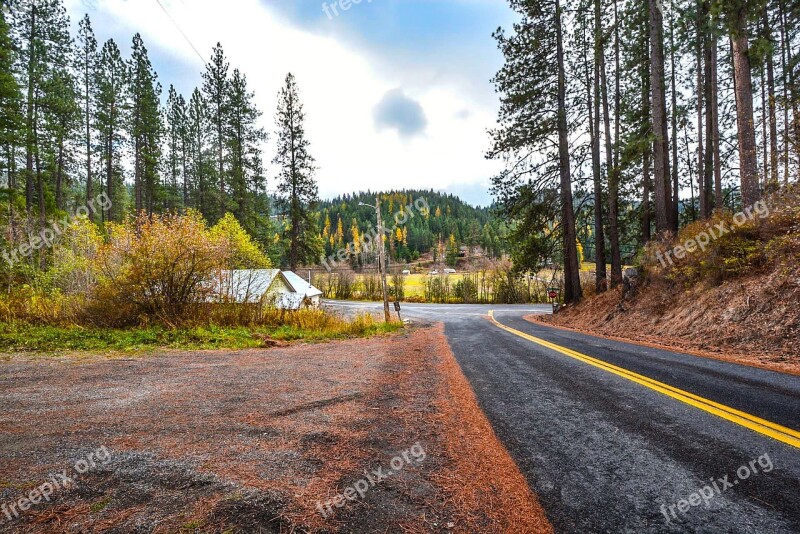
column 737, row 299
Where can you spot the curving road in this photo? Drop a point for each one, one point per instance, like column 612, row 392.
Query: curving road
column 616, row 437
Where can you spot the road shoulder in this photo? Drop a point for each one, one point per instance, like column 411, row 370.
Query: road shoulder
column 675, row 345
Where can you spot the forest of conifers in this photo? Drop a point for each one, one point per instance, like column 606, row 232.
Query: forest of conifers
column 79, row 120
column 619, row 122
column 625, row 120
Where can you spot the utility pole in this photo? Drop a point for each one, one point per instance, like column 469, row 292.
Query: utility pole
column 381, row 261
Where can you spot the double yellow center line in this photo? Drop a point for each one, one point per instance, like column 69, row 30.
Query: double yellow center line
column 756, row 424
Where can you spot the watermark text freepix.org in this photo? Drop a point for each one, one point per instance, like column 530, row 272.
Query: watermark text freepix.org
column 332, row 9
column 57, row 482
column 716, row 487
column 712, row 233
column 48, row 235
column 413, row 456
column 370, row 238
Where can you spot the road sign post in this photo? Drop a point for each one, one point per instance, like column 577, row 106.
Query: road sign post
column 553, row 293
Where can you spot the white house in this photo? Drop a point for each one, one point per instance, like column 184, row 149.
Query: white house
column 271, row 287
column 310, row 294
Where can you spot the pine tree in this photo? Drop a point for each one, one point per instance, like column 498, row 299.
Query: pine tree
column 41, row 31
column 662, row 185
column 175, row 130
column 198, row 171
column 737, row 16
column 215, row 93
column 85, row 65
column 11, row 122
column 244, row 138
column 62, row 119
column 112, row 110
column 144, row 128
column 533, row 120
column 296, row 185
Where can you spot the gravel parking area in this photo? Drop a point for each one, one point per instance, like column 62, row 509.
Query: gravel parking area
column 255, row 441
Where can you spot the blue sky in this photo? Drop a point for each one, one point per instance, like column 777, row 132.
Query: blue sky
column 397, row 92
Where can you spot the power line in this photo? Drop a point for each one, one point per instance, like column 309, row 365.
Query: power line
column 180, row 30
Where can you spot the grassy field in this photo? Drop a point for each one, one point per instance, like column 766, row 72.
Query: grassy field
column 54, row 339
column 415, row 283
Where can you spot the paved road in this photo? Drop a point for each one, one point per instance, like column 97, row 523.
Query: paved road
column 608, row 448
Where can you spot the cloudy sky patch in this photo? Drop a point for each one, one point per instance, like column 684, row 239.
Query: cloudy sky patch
column 349, row 69
column 401, row 113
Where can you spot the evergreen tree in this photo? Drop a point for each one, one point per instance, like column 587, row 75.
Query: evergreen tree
column 110, row 117
column 297, row 188
column 175, row 128
column 215, row 92
column 198, row 168
column 85, row 65
column 62, row 120
column 737, row 15
column 10, row 113
column 144, row 128
column 533, row 121
column 41, row 31
column 244, row 138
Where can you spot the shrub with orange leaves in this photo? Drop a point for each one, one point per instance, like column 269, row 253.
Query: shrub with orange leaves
column 154, row 268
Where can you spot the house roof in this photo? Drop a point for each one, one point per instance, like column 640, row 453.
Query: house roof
column 300, row 285
column 246, row 285
column 250, row 285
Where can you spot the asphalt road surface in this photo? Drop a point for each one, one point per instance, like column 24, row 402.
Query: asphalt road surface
column 616, row 437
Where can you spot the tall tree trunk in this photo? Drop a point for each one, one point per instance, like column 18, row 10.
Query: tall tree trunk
column 676, row 186
column 714, row 116
column 708, row 164
column 613, row 180
column 40, row 193
column 764, row 138
column 89, row 184
column 773, row 121
column 184, row 174
column 702, row 16
column 691, row 171
column 593, row 107
column 29, row 122
column 785, row 80
column 572, row 282
column 110, row 170
column 60, row 176
column 646, row 132
column 663, row 189
column 137, row 175
column 611, row 171
column 744, row 109
column 221, row 163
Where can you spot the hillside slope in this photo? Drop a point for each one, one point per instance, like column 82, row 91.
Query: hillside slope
column 737, row 298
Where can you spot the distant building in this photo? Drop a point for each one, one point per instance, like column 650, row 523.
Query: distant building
column 270, row 287
column 304, row 288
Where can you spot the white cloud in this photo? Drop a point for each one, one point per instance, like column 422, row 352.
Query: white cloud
column 340, row 88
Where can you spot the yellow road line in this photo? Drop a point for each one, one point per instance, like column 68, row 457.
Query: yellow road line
column 762, row 426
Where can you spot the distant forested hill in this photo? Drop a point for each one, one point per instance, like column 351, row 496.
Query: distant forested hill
column 447, row 225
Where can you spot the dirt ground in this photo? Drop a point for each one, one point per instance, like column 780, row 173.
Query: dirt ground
column 257, row 441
